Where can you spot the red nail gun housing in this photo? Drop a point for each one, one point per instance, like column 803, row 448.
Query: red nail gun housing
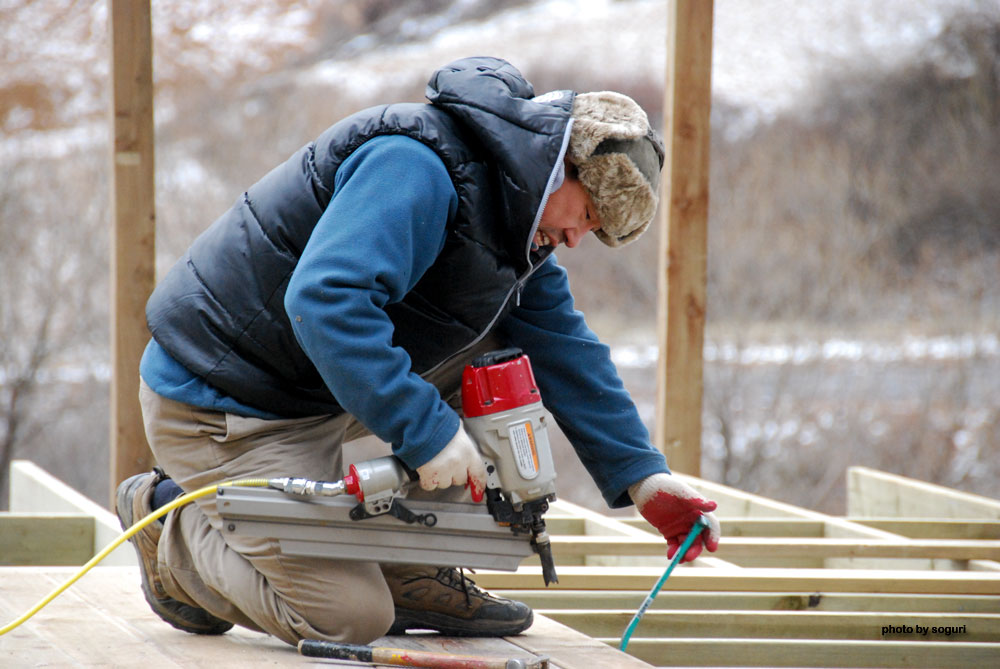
column 504, row 415
column 490, row 386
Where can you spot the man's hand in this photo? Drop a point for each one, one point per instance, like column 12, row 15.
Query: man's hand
column 458, row 463
column 672, row 507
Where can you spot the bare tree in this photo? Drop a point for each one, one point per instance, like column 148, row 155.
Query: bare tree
column 52, row 273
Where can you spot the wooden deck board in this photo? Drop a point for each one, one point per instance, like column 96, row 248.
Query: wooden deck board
column 102, row 620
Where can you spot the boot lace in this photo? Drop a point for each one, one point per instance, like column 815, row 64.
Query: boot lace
column 452, row 577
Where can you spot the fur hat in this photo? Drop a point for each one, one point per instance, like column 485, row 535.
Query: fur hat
column 618, row 158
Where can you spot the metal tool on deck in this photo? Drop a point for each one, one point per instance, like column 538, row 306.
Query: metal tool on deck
column 504, row 416
column 404, row 657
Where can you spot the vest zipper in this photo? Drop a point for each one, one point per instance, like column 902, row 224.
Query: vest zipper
column 514, row 291
column 519, row 285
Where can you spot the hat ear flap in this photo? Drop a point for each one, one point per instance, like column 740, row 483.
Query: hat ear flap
column 619, row 159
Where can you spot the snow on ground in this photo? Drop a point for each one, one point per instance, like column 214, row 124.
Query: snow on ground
column 909, row 348
column 767, row 53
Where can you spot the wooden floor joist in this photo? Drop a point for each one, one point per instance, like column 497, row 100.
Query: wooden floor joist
column 757, row 601
column 670, row 623
column 732, row 547
column 835, row 592
column 754, row 580
column 917, row 654
column 937, row 528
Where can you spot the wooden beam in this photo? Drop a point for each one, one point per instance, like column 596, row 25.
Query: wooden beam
column 805, row 547
column 133, row 228
column 754, row 580
column 683, row 233
column 45, row 539
column 875, row 493
column 34, row 490
column 548, row 599
column 925, row 528
column 772, row 527
column 816, row 653
column 738, row 504
column 978, row 628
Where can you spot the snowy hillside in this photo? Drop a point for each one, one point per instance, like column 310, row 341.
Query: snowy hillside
column 767, row 53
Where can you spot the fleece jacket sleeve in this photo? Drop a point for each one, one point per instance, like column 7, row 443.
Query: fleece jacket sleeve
column 381, row 231
column 580, row 385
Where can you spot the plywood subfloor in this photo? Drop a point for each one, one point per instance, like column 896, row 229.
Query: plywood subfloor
column 102, row 620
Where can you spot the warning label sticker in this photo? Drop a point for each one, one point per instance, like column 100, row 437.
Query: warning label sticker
column 522, row 445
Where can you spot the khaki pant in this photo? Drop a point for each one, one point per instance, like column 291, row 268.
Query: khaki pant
column 246, row 580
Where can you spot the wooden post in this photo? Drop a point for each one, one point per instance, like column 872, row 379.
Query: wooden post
column 684, row 221
column 133, row 227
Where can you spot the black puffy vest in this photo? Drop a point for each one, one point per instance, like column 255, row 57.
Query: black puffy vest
column 220, row 309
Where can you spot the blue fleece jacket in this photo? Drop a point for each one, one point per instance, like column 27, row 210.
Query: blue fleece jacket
column 381, row 231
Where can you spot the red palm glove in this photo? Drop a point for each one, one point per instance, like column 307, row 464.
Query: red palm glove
column 672, row 507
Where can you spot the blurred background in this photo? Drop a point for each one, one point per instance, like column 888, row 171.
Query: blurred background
column 854, row 233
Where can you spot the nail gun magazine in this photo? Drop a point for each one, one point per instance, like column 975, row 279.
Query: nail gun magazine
column 367, row 515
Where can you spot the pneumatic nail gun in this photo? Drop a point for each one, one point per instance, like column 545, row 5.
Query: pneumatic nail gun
column 367, row 516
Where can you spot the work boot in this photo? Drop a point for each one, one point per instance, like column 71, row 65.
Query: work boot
column 133, row 503
column 445, row 600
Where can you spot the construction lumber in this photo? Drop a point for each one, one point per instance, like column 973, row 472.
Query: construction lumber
column 45, row 539
column 734, row 503
column 133, row 272
column 875, row 493
column 772, row 527
column 753, row 527
column 103, row 620
column 547, row 600
column 873, row 626
column 798, row 547
column 34, row 490
column 738, row 504
column 592, row 524
column 936, row 528
column 683, row 236
column 754, row 580
column 699, row 652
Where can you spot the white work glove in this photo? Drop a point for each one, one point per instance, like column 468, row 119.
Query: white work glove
column 672, row 507
column 458, row 463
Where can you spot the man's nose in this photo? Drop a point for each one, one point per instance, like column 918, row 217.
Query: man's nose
column 575, row 235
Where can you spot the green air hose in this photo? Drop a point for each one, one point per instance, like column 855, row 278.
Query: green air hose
column 128, row 534
column 696, row 529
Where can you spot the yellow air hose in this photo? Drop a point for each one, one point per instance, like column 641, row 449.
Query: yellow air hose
column 128, row 534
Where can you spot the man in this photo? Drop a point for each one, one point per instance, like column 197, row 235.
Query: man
column 344, row 293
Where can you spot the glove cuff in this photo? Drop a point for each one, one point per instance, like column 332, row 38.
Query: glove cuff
column 642, row 491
